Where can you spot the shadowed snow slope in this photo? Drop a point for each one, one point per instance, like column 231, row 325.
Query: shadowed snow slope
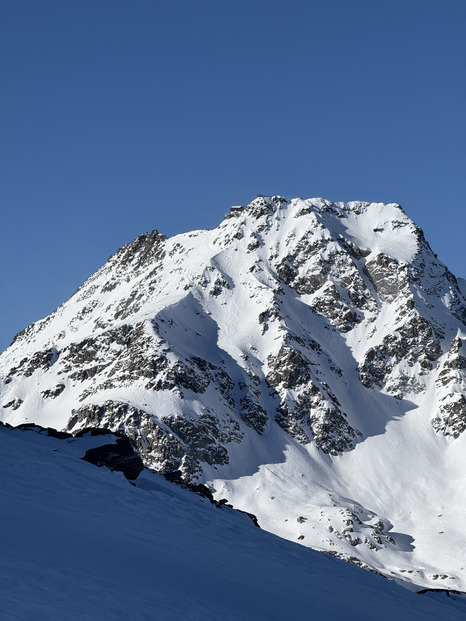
column 81, row 543
column 305, row 360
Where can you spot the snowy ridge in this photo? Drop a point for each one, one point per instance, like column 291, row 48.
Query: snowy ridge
column 82, row 544
column 303, row 359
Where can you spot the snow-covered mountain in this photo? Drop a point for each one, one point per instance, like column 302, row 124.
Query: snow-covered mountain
column 304, row 360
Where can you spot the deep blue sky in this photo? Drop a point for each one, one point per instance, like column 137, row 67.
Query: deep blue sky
column 120, row 116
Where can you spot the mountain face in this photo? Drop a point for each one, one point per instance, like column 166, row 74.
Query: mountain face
column 305, row 360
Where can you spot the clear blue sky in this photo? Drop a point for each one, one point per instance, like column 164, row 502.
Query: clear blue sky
column 121, row 116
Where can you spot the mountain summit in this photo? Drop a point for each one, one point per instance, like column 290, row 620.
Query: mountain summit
column 305, row 360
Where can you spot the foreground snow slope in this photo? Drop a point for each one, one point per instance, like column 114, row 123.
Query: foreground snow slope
column 80, row 543
column 305, row 359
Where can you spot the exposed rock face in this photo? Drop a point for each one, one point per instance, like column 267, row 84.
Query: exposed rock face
column 413, row 343
column 51, row 393
column 388, row 277
column 119, row 456
column 308, row 409
column 157, row 448
column 29, row 365
column 14, row 404
column 176, row 445
column 451, row 386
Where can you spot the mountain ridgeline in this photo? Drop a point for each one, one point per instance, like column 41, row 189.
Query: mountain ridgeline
column 303, row 353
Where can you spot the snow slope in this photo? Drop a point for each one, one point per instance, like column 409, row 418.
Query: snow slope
column 81, row 543
column 304, row 359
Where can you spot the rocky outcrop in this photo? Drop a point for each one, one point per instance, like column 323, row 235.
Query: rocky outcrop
column 158, row 448
column 387, row 276
column 451, row 386
column 14, row 404
column 119, row 456
column 308, row 410
column 29, row 365
column 413, row 343
column 175, row 445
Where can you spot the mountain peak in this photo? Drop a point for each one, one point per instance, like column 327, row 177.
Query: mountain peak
column 303, row 349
